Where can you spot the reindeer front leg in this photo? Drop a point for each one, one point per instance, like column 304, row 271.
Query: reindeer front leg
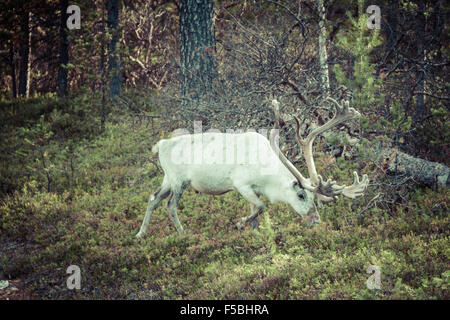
column 256, row 207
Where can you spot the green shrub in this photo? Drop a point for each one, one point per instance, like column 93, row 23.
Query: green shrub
column 99, row 191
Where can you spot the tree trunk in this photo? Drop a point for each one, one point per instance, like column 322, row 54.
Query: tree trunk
column 420, row 170
column 13, row 69
column 197, row 48
column 103, row 69
column 420, row 109
column 438, row 27
column 323, row 56
column 24, row 51
column 114, row 63
column 391, row 27
column 63, row 50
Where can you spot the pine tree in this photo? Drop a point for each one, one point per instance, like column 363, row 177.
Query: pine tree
column 197, row 48
column 359, row 41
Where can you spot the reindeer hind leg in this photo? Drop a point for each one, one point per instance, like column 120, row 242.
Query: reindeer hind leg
column 177, row 192
column 153, row 202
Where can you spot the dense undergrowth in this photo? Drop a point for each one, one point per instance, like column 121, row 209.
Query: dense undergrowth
column 72, row 195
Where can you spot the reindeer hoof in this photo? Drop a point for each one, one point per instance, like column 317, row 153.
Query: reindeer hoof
column 241, row 224
column 139, row 235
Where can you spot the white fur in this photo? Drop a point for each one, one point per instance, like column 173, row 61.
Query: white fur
column 215, row 163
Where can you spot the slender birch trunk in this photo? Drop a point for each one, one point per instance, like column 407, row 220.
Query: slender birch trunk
column 323, row 56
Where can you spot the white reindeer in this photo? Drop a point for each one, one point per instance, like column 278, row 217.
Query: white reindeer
column 199, row 160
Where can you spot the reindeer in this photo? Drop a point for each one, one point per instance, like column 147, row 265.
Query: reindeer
column 274, row 176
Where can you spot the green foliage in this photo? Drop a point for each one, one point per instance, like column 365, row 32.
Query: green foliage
column 441, row 117
column 38, row 137
column 433, row 134
column 359, row 41
column 90, row 218
column 396, row 123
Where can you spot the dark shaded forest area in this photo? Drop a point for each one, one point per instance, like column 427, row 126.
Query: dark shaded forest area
column 89, row 87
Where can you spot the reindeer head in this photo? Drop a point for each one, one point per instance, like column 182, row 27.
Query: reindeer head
column 315, row 186
column 302, row 201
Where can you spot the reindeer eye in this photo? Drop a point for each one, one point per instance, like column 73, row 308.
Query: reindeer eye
column 301, row 196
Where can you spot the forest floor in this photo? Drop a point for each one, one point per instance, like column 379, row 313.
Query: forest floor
column 72, row 195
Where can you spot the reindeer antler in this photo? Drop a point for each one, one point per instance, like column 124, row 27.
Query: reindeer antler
column 326, row 190
column 357, row 188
